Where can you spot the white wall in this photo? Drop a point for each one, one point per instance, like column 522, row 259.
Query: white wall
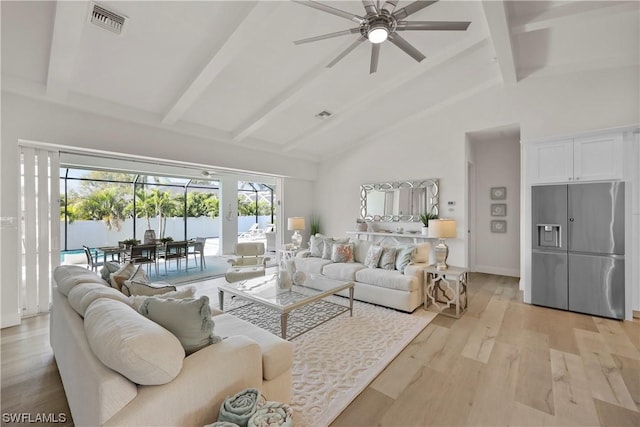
column 497, row 164
column 24, row 118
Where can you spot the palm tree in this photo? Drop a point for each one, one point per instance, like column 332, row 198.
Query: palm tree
column 106, row 204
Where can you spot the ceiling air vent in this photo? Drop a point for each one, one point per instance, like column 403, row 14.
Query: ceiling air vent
column 107, row 19
column 323, row 114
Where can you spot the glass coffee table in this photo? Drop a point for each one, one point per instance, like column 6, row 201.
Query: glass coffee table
column 267, row 292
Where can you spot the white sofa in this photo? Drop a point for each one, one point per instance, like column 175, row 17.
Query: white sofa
column 247, row 357
column 401, row 290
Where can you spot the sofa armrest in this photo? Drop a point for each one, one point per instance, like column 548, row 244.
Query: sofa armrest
column 194, row 397
column 416, row 269
column 303, row 254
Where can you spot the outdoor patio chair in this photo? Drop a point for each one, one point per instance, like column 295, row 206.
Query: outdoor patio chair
column 92, row 259
column 253, row 232
column 249, row 262
column 175, row 251
column 197, row 250
column 145, row 254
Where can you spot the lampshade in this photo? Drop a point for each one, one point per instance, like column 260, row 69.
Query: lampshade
column 295, row 223
column 442, row 228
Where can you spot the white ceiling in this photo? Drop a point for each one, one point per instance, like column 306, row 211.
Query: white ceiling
column 229, row 71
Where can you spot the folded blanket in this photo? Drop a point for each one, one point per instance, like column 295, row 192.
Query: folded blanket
column 241, row 406
column 272, row 414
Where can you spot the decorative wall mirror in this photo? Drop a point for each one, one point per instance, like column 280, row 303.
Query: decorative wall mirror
column 398, row 201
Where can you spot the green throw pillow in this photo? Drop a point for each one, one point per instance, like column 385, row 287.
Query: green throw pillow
column 107, row 269
column 188, row 319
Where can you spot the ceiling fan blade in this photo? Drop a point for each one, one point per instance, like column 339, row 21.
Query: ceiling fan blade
column 389, row 6
column 412, row 8
column 328, row 36
column 432, row 26
column 346, row 51
column 331, row 10
column 406, row 46
column 370, row 7
column 375, row 54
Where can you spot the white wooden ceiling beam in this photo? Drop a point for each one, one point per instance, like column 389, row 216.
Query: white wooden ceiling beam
column 357, row 105
column 498, row 22
column 70, row 20
column 242, row 35
column 578, row 12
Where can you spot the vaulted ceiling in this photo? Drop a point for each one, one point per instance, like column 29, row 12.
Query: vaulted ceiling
column 229, row 71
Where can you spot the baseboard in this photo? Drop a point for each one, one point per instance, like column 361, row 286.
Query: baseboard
column 636, row 314
column 9, row 320
column 512, row 272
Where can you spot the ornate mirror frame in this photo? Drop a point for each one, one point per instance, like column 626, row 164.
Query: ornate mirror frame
column 424, row 195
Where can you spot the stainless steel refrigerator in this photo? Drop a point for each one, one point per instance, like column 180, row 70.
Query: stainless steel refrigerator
column 578, row 248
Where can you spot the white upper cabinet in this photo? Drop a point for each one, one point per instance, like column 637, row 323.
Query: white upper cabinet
column 598, row 158
column 592, row 158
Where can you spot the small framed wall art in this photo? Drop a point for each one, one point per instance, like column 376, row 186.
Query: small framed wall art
column 498, row 209
column 498, row 226
column 498, row 193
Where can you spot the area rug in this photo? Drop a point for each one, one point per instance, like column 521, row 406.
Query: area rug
column 335, row 361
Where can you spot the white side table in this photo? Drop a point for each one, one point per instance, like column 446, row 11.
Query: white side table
column 445, row 291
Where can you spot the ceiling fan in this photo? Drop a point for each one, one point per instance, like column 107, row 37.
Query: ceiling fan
column 380, row 24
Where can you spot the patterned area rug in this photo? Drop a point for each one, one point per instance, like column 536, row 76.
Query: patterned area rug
column 335, row 360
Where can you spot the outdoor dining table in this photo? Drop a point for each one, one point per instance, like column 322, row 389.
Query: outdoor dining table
column 111, row 250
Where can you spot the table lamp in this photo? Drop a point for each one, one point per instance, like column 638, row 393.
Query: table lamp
column 296, row 224
column 442, row 229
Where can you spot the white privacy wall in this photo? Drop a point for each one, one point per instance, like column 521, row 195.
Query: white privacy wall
column 497, row 164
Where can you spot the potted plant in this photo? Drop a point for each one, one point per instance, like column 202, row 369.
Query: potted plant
column 128, row 243
column 314, row 225
column 425, row 217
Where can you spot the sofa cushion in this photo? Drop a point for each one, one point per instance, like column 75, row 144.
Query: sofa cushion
column 342, row 252
column 108, row 268
column 311, row 264
column 360, row 250
column 423, row 253
column 404, row 257
column 391, row 279
column 182, row 293
column 388, row 258
column 124, row 273
column 131, row 344
column 342, row 270
column 373, row 256
column 81, row 296
column 68, row 276
column 188, row 319
column 277, row 354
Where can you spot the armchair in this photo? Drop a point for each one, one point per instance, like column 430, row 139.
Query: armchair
column 249, row 262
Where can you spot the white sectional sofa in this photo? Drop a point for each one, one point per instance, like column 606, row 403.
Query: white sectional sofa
column 401, row 290
column 247, row 356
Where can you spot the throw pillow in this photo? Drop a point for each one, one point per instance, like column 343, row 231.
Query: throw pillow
column 107, row 269
column 188, row 319
column 327, row 245
column 139, row 276
column 131, row 287
column 361, row 247
column 81, row 296
column 131, row 344
column 373, row 256
column 404, row 257
column 182, row 293
column 316, row 244
column 342, row 252
column 388, row 258
column 124, row 273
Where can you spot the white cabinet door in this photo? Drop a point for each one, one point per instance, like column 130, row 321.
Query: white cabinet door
column 550, row 161
column 598, row 157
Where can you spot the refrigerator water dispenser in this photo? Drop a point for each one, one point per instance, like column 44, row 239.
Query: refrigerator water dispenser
column 548, row 235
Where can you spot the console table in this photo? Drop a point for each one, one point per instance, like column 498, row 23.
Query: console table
column 376, row 236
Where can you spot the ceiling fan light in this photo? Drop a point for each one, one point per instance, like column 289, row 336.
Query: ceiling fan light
column 378, row 34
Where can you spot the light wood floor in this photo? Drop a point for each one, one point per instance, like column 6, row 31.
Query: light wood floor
column 506, row 363
column 503, row 363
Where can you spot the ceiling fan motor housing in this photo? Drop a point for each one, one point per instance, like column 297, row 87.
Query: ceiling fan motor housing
column 383, row 20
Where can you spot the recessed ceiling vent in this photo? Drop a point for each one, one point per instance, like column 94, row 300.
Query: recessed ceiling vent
column 107, row 19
